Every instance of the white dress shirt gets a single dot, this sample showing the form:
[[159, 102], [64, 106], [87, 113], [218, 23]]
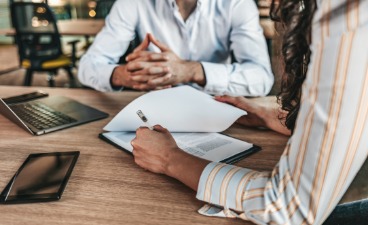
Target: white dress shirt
[[212, 31], [329, 144]]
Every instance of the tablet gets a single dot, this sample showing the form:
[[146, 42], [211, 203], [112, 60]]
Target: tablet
[[42, 177]]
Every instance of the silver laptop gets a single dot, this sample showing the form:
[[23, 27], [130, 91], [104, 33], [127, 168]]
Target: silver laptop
[[47, 114]]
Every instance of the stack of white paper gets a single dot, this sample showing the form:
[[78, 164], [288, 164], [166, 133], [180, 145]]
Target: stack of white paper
[[180, 109], [193, 116]]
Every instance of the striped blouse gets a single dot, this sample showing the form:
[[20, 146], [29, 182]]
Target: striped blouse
[[329, 144]]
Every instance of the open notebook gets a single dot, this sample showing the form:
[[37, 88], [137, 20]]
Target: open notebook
[[193, 117]]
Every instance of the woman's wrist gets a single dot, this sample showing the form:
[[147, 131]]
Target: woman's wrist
[[185, 168], [264, 116], [172, 165], [273, 119]]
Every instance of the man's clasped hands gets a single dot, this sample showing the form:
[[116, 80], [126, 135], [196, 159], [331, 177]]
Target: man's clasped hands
[[146, 70]]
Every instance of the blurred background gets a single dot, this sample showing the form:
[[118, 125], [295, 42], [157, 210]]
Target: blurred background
[[74, 14], [78, 22], [63, 10]]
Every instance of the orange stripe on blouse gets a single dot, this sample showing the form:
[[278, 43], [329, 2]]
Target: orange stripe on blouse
[[361, 119], [225, 184], [341, 93], [209, 183], [309, 119], [241, 188], [325, 139], [330, 128]]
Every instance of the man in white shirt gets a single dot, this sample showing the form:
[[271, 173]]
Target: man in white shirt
[[196, 39]]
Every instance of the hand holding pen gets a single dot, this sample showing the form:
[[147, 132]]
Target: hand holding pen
[[144, 119]]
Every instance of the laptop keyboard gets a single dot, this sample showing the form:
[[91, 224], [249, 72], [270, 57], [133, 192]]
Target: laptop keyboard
[[41, 116]]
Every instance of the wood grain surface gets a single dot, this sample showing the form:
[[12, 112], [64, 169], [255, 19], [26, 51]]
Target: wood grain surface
[[106, 187]]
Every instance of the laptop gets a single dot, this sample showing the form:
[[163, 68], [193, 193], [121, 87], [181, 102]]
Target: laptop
[[39, 113]]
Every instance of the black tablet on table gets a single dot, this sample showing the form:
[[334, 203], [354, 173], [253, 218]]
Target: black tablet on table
[[42, 177]]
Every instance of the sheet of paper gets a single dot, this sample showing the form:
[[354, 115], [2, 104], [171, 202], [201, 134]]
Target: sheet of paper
[[179, 109], [210, 146]]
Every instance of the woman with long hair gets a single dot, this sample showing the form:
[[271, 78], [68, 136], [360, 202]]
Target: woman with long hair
[[323, 106]]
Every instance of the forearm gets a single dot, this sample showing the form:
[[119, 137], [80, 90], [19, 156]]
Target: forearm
[[186, 168], [116, 76], [237, 79], [95, 73], [194, 71]]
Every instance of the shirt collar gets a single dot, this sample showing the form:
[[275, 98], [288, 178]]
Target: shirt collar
[[173, 3]]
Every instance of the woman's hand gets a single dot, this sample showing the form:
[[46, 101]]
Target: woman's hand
[[153, 150], [156, 151], [262, 112], [254, 118]]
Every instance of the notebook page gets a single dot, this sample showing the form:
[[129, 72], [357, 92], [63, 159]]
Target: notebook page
[[210, 146]]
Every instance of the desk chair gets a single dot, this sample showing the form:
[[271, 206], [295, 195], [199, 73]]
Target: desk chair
[[38, 41]]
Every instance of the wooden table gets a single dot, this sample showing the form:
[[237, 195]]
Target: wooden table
[[106, 186], [76, 27]]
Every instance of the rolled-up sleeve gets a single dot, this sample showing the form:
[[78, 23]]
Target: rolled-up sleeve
[[212, 189], [251, 75], [97, 65]]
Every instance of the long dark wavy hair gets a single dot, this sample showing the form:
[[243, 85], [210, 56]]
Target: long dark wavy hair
[[296, 18]]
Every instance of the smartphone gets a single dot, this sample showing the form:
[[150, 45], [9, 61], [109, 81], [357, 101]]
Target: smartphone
[[42, 177], [25, 97]]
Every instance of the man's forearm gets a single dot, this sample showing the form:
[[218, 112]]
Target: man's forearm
[[116, 76], [195, 72]]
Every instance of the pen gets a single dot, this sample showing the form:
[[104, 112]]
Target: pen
[[144, 119]]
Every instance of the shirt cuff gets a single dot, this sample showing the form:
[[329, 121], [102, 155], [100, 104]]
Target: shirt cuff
[[216, 78], [106, 71], [223, 185]]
